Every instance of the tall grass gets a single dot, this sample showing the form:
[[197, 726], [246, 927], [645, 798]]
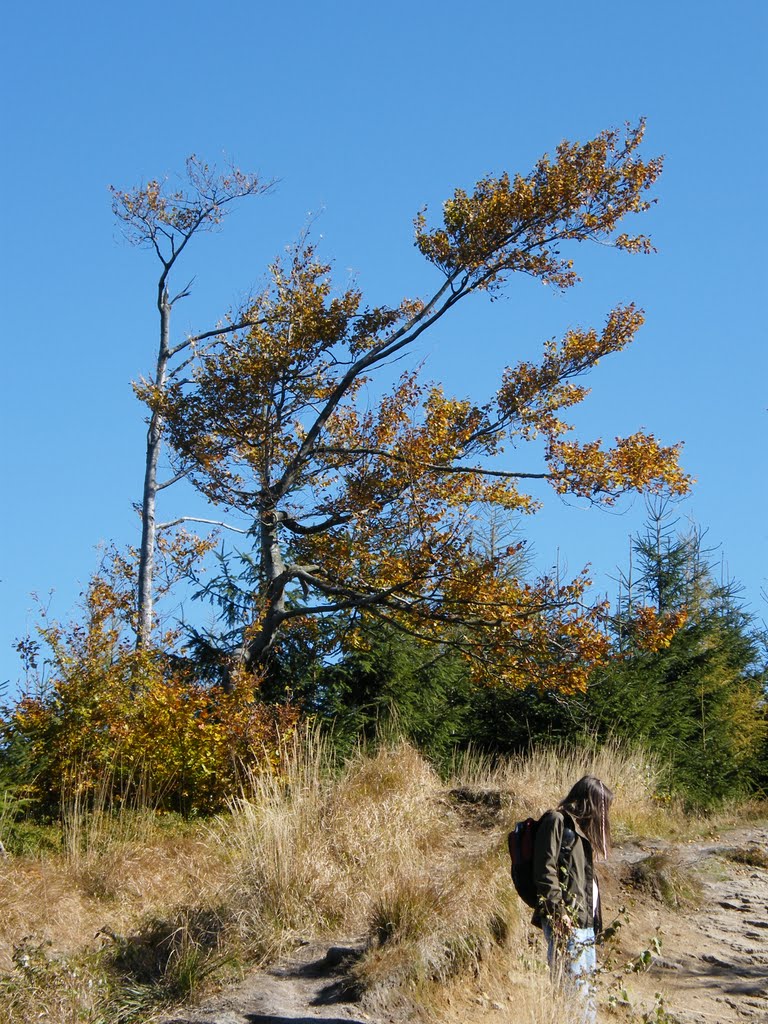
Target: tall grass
[[105, 925], [311, 850], [380, 850], [542, 776]]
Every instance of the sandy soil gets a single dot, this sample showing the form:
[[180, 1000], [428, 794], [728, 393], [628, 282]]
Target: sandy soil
[[712, 967]]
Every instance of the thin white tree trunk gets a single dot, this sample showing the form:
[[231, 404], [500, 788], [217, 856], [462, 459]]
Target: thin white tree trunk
[[148, 513]]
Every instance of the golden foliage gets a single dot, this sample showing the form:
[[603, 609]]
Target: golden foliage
[[653, 630], [138, 718], [377, 504], [509, 225], [637, 462]]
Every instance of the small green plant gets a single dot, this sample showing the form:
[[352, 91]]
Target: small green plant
[[644, 960], [611, 931], [659, 1014], [619, 999], [610, 955]]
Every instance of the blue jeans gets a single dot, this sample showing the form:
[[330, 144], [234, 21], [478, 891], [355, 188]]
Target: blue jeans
[[574, 966]]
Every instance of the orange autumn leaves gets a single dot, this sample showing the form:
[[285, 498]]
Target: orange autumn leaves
[[515, 224], [107, 721], [369, 496], [637, 462]]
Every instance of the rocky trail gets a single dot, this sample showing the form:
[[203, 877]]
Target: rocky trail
[[310, 987], [709, 963], [713, 964]]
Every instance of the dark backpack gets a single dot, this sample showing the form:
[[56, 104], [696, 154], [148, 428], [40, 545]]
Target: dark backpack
[[520, 842]]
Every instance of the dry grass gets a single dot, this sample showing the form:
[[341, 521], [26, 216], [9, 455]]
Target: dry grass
[[313, 852], [65, 902], [734, 814], [541, 778], [78, 927], [44, 988], [752, 855], [513, 986], [383, 851], [379, 848], [379, 851], [666, 880]]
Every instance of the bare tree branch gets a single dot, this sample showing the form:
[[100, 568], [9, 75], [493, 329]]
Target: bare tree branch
[[174, 479], [196, 519], [184, 293]]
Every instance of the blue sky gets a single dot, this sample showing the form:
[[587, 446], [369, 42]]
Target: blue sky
[[365, 113]]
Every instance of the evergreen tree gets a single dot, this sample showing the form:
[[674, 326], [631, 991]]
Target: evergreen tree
[[697, 698], [394, 682]]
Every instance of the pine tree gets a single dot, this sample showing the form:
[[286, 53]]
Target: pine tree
[[697, 697]]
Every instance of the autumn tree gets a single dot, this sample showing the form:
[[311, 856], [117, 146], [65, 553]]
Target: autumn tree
[[371, 506], [165, 220]]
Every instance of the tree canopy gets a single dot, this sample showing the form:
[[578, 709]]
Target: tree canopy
[[374, 507]]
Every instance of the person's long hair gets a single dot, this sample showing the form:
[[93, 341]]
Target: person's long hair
[[588, 804]]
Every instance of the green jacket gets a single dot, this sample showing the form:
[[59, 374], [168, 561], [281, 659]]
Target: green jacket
[[563, 873]]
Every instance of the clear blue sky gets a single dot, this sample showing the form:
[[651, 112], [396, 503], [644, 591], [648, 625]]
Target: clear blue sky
[[366, 112]]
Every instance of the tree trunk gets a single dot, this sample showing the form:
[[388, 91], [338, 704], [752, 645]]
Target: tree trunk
[[148, 516], [273, 567]]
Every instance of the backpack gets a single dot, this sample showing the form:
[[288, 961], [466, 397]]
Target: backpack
[[520, 842]]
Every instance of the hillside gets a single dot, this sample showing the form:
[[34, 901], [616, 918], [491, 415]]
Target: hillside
[[380, 893], [710, 965]]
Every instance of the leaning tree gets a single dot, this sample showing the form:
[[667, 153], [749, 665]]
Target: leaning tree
[[369, 507]]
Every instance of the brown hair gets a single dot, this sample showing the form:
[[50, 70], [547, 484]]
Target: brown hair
[[588, 803]]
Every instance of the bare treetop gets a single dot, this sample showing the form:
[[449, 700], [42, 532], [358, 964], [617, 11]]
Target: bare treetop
[[153, 216]]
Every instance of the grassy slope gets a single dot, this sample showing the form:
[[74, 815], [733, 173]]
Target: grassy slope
[[383, 849]]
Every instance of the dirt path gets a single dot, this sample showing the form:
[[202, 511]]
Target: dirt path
[[307, 988], [712, 967]]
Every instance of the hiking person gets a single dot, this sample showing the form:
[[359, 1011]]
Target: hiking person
[[568, 911]]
